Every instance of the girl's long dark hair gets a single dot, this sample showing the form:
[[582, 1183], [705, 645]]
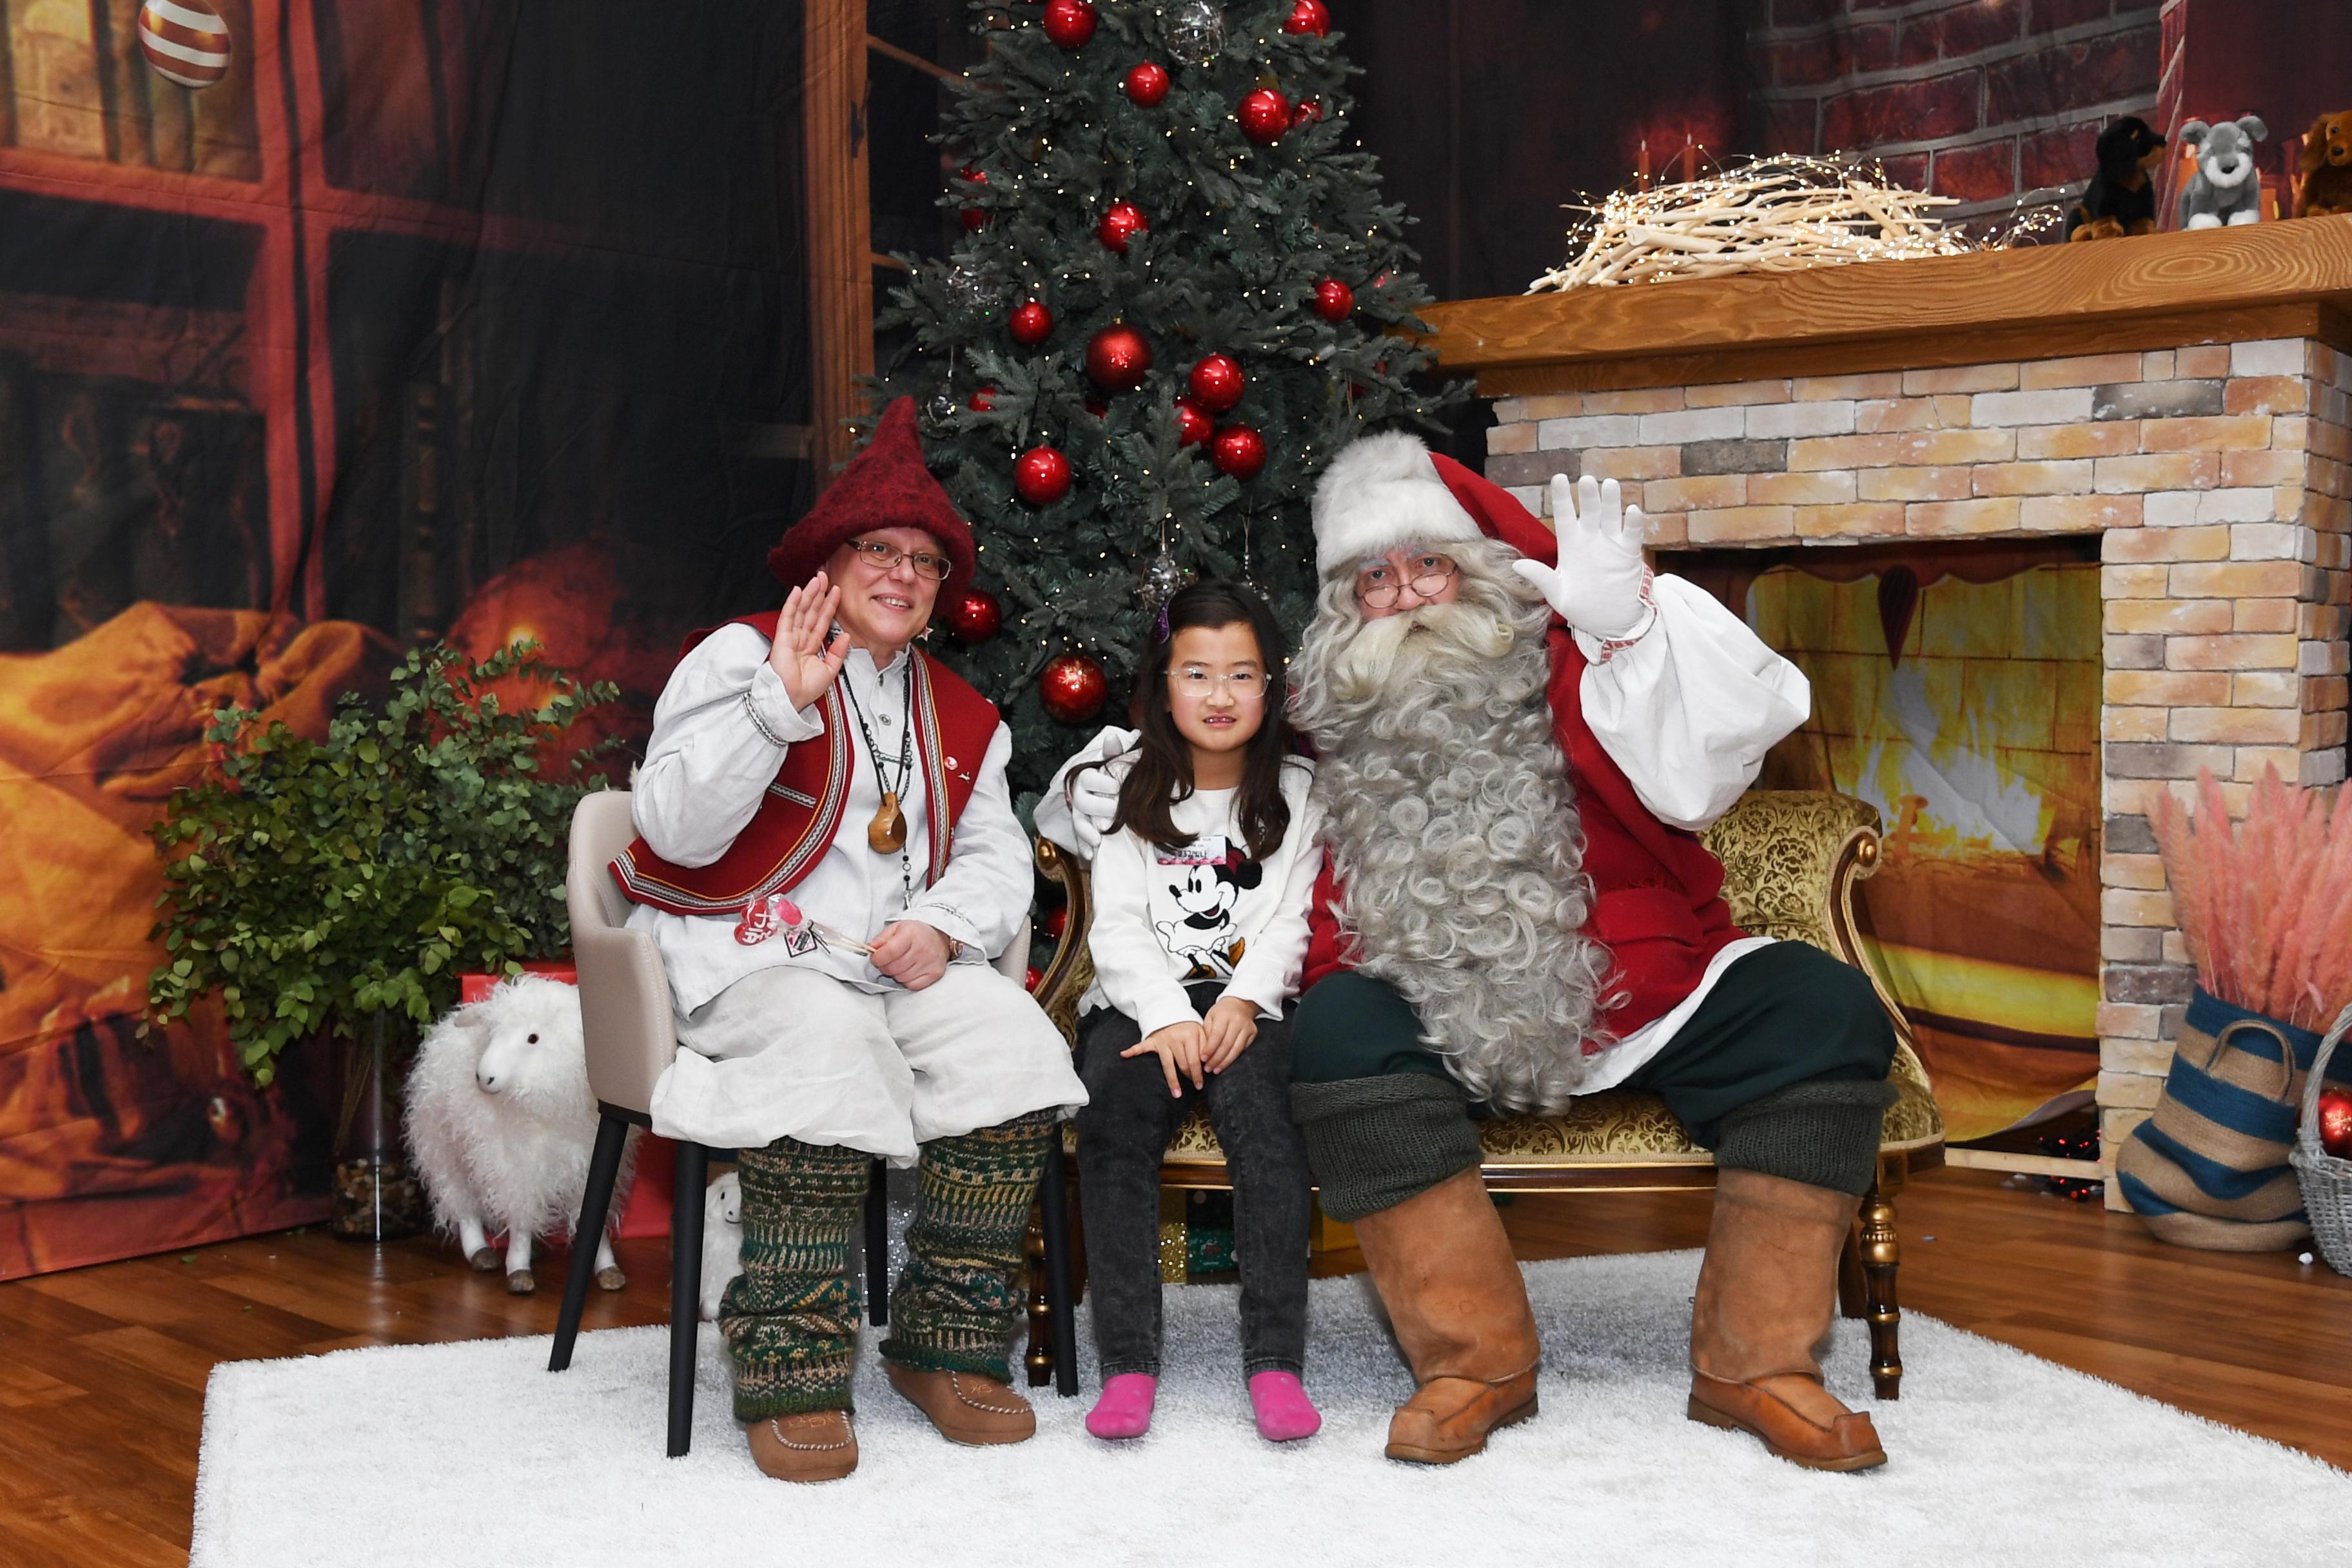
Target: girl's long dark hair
[[1162, 773]]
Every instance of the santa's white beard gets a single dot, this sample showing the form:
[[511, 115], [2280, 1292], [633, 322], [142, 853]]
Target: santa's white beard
[[1450, 816]]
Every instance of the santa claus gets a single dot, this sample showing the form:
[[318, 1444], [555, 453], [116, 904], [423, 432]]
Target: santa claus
[[1520, 738]]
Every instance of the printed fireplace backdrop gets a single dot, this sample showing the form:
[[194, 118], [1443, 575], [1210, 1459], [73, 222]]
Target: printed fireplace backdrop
[[447, 319], [1957, 691]]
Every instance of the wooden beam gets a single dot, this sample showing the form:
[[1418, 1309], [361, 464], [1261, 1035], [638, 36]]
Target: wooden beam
[[841, 284], [2154, 291]]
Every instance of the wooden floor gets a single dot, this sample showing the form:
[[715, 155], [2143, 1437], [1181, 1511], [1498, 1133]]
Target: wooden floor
[[102, 1370]]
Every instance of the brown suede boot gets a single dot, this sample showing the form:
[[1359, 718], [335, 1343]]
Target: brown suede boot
[[1765, 1294], [1444, 1270], [812, 1446], [965, 1406]]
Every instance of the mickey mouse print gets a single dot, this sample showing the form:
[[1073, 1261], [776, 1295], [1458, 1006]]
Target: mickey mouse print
[[1193, 897]]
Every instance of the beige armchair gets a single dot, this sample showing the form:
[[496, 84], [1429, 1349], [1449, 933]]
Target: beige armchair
[[625, 1013], [1790, 862]]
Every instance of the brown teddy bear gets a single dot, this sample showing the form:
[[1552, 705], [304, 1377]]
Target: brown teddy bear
[[2327, 166]]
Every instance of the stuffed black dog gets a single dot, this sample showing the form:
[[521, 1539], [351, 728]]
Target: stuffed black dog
[[2121, 198]]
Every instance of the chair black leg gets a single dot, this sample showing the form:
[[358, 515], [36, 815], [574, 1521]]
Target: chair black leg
[[1054, 1219], [877, 1246], [685, 1290], [603, 1168]]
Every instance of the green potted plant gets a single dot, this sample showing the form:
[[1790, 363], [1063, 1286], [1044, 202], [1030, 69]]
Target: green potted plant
[[334, 888]]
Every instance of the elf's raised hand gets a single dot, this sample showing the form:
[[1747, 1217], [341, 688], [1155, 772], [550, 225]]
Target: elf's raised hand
[[1597, 586], [799, 655]]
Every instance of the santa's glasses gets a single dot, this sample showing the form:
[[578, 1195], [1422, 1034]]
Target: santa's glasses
[[1379, 585], [1242, 685]]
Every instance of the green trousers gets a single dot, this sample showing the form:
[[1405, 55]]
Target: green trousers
[[790, 1319]]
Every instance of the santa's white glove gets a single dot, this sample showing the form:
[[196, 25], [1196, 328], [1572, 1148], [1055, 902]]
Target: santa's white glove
[[1082, 800], [1597, 588]]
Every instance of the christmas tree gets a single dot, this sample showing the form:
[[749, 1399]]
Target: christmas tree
[[1173, 300]]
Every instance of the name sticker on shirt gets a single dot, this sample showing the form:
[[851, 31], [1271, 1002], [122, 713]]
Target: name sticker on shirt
[[1205, 851]]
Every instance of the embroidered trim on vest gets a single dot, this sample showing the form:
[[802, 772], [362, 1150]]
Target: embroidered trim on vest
[[786, 792], [815, 839], [935, 775]]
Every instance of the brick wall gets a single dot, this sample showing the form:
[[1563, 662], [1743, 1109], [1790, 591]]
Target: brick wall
[[2219, 477], [1980, 100]]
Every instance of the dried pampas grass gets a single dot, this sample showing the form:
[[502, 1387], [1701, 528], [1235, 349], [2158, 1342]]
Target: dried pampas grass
[[1783, 214], [2266, 910]]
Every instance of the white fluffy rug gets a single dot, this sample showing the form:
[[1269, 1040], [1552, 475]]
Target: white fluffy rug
[[473, 1453]]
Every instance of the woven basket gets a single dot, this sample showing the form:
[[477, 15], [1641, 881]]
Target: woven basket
[[2327, 1179]]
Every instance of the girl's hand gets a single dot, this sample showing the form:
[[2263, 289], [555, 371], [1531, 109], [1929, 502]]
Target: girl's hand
[[799, 655], [1231, 1026], [1179, 1047]]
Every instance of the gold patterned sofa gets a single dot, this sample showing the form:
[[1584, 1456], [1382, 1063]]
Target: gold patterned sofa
[[1790, 859]]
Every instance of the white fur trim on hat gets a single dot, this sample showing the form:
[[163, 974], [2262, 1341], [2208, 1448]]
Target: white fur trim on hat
[[1380, 492]]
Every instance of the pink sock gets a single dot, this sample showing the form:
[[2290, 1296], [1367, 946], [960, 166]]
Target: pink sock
[[1125, 1409], [1282, 1410]]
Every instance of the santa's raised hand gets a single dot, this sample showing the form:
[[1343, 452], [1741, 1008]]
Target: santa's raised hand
[[1598, 588]]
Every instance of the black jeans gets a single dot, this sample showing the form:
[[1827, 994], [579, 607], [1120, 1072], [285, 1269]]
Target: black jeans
[[1123, 1131]]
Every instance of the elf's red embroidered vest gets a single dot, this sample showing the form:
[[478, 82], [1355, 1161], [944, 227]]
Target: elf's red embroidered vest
[[796, 822]]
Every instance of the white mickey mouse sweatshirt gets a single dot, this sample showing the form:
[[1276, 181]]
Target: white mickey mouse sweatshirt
[[1165, 919]]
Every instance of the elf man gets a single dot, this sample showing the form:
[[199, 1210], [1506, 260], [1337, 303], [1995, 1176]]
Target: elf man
[[1520, 737], [816, 752]]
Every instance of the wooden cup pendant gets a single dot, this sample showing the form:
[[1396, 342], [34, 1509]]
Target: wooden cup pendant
[[886, 834]]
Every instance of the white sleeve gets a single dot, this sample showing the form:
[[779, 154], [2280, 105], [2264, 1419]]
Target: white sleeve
[[721, 731], [1689, 710], [983, 898], [1268, 972], [1131, 965]]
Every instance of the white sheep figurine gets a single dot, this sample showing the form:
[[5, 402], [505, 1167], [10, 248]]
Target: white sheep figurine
[[502, 1124], [722, 1240]]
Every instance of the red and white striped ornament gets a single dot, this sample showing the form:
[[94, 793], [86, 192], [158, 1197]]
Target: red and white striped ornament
[[184, 41]]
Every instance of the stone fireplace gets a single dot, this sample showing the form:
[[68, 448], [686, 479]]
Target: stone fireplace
[[2184, 401]]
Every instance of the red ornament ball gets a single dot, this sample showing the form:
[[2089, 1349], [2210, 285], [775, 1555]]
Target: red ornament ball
[[1116, 358], [1238, 450], [975, 615], [1057, 920], [1069, 23], [1334, 299], [1032, 324], [2336, 1123], [1122, 222], [982, 399], [1216, 383], [974, 218], [1147, 84], [1041, 475], [1308, 111], [1073, 687], [1033, 979], [1193, 426], [1264, 116], [1309, 16]]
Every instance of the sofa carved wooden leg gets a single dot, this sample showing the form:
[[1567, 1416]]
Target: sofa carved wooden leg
[[1881, 1253], [1040, 1359]]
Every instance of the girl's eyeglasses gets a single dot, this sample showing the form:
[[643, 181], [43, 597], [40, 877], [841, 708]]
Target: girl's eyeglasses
[[1377, 588], [884, 557], [1244, 685]]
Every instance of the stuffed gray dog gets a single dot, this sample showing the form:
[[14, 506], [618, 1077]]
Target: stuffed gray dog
[[2224, 189]]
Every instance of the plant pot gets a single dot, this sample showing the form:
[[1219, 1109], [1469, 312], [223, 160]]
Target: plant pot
[[376, 1197]]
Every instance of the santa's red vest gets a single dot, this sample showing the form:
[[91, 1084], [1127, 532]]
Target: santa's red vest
[[1657, 892], [796, 822]]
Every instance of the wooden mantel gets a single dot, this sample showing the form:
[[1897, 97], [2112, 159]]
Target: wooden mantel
[[2264, 281]]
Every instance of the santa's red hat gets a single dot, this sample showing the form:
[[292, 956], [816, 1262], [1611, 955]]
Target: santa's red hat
[[885, 486], [1390, 490]]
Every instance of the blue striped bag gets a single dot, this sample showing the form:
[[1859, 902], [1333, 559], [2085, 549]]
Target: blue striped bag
[[2210, 1169]]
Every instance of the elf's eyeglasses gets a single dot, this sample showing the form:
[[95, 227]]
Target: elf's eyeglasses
[[884, 557], [1377, 588], [1244, 685]]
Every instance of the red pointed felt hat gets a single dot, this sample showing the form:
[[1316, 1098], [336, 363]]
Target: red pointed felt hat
[[886, 485]]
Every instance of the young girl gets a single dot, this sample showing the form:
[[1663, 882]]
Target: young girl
[[1201, 895]]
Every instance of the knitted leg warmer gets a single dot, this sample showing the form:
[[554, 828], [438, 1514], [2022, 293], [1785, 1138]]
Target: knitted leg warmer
[[1824, 1133], [1373, 1142], [790, 1319], [958, 1302]]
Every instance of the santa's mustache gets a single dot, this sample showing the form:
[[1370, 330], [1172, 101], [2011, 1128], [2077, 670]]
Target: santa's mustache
[[1409, 645]]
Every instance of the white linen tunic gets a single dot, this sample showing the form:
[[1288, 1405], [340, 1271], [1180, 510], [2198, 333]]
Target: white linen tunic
[[1686, 709], [798, 1065]]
